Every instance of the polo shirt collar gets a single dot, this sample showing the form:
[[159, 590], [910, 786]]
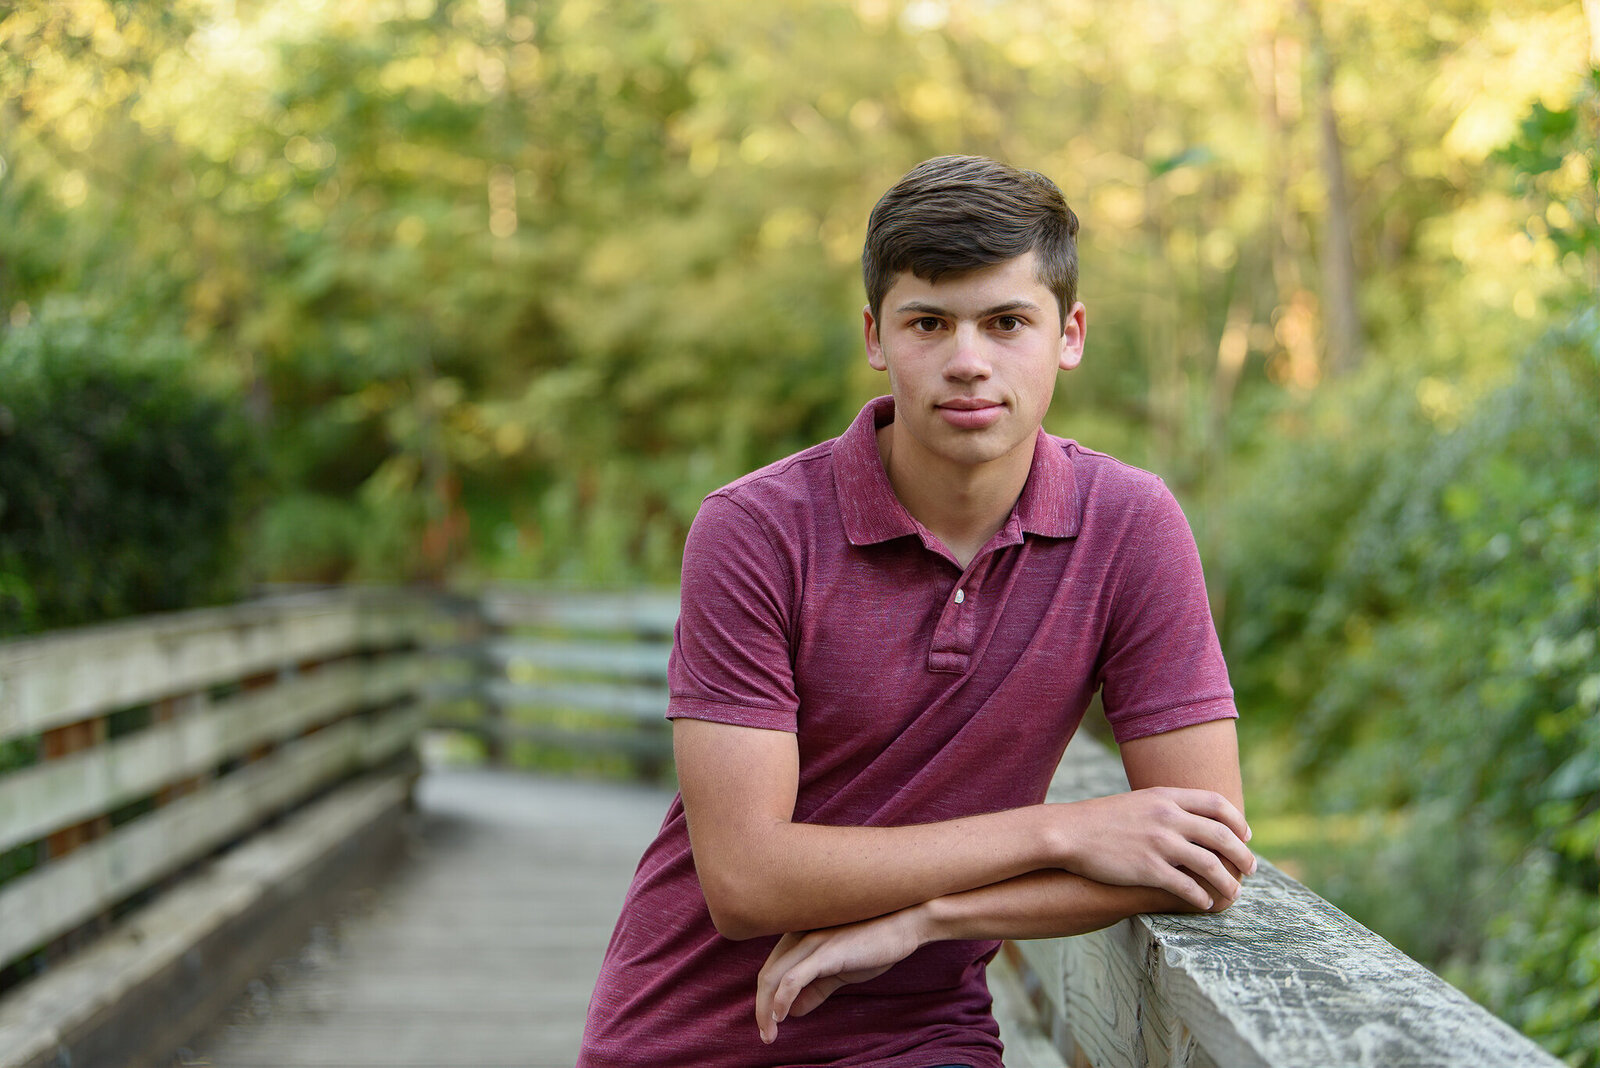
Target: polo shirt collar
[[872, 513]]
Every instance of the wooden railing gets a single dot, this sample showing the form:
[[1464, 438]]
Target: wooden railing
[[209, 724], [584, 676], [1281, 979], [131, 752]]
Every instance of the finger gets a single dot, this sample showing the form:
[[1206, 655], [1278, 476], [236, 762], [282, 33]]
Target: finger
[[811, 976], [1213, 805], [1219, 864], [791, 986], [1208, 867], [816, 994], [790, 949], [1224, 843], [1220, 901], [1208, 819], [1194, 859], [1186, 888]]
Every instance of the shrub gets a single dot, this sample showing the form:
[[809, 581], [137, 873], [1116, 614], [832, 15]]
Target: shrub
[[122, 481]]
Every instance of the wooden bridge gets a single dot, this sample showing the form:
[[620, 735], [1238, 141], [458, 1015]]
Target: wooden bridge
[[218, 846]]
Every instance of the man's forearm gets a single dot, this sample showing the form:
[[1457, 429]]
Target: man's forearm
[[1041, 904], [802, 877], [798, 876], [805, 968]]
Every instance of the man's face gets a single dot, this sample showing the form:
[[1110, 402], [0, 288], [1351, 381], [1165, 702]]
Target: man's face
[[972, 361]]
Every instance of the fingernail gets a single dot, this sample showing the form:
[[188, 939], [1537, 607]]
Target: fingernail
[[1210, 903], [1248, 833]]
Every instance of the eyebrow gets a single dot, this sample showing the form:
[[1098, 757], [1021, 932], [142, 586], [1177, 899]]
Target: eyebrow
[[998, 309]]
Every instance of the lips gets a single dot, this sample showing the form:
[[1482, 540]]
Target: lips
[[970, 413], [968, 404]]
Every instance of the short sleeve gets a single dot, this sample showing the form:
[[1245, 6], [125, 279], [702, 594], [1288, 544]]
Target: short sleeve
[[1161, 666], [731, 659]]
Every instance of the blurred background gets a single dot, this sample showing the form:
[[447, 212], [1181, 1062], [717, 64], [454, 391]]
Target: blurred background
[[469, 291]]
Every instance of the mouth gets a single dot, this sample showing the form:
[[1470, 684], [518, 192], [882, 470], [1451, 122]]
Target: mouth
[[970, 413], [968, 404]]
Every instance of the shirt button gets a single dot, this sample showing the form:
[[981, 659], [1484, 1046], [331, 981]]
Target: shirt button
[[961, 595]]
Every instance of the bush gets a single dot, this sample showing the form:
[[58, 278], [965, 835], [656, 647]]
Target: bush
[[122, 481]]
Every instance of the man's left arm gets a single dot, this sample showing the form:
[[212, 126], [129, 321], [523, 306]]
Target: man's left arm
[[806, 967], [1203, 757]]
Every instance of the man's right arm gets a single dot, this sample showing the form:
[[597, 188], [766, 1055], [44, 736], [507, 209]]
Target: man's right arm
[[805, 968], [765, 874]]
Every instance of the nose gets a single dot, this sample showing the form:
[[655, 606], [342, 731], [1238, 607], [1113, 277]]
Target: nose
[[968, 362]]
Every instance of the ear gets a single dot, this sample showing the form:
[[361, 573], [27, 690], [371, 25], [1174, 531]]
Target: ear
[[1072, 335], [874, 343]]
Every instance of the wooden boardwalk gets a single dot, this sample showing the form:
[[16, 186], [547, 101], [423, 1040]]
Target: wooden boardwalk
[[479, 953]]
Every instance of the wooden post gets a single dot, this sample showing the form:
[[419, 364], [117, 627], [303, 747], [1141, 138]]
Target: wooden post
[[490, 673]]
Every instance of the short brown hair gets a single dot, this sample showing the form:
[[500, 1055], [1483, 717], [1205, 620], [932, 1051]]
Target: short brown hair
[[954, 214]]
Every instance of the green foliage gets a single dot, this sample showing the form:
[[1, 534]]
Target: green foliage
[[1294, 509], [546, 274], [1427, 632], [121, 482], [1541, 156], [1414, 604]]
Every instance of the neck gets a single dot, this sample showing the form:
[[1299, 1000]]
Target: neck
[[961, 504]]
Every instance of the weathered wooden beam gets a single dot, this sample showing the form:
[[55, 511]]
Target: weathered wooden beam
[[637, 743], [642, 702], [617, 659], [43, 683], [37, 800], [636, 612], [1282, 979]]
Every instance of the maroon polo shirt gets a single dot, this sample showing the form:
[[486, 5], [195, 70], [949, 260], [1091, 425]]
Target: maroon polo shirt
[[919, 690]]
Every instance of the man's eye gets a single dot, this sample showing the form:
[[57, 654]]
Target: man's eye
[[927, 324], [1008, 323]]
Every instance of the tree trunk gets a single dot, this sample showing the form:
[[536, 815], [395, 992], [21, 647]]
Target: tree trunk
[[1341, 314]]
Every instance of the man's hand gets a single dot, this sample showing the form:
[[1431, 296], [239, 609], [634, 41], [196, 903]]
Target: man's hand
[[804, 969], [1186, 842]]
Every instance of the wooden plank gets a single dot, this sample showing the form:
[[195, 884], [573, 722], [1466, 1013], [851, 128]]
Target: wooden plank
[[1281, 979], [649, 743], [51, 900], [642, 702], [43, 681], [1027, 1045], [394, 731], [37, 800], [635, 612], [621, 660]]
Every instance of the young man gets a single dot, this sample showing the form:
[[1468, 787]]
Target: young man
[[884, 644]]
